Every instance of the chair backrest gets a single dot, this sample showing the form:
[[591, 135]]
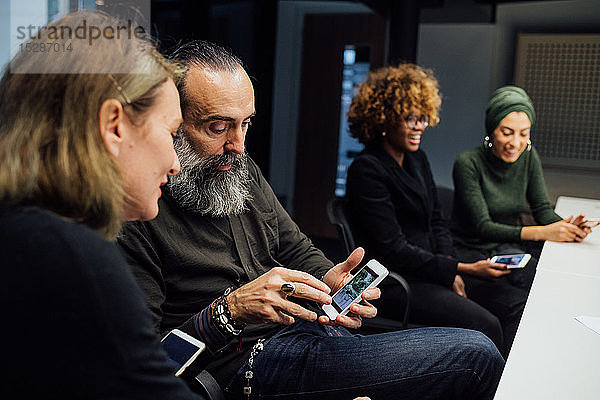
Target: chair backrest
[[446, 198], [338, 213]]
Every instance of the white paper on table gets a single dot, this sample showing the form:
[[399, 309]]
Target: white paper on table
[[591, 322]]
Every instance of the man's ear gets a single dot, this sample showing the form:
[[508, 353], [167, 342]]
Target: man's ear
[[110, 118]]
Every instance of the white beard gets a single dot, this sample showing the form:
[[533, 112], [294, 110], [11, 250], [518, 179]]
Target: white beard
[[201, 187]]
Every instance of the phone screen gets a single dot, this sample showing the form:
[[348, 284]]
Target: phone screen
[[178, 349], [514, 260], [353, 289]]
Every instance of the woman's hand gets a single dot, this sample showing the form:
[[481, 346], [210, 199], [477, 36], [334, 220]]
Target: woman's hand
[[263, 301], [566, 230], [581, 222], [484, 269], [458, 286], [337, 277]]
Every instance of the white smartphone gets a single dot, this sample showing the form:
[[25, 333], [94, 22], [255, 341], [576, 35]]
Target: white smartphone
[[512, 260], [367, 277], [591, 222], [182, 349]]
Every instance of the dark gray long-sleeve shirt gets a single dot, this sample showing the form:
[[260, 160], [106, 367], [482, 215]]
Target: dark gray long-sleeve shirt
[[184, 260]]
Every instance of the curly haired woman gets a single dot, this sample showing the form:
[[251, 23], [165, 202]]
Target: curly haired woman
[[395, 205]]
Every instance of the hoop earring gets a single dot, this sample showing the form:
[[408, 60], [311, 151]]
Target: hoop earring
[[528, 144], [487, 142]]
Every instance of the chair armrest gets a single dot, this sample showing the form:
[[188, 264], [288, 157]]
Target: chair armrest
[[206, 385], [402, 282]]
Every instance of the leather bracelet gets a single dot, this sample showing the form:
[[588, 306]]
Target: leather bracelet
[[221, 316]]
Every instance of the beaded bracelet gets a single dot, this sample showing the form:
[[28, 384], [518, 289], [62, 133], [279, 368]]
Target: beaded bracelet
[[221, 316]]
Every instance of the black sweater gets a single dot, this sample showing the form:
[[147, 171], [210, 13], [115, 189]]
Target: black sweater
[[399, 216], [74, 322]]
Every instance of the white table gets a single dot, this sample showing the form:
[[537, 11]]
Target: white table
[[566, 206], [580, 258], [553, 355]]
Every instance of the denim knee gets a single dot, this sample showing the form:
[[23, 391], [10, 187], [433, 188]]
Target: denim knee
[[486, 359]]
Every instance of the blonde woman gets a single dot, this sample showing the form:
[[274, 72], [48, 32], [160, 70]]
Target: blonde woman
[[81, 150]]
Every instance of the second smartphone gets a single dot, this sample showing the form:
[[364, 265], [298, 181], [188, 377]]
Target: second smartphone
[[367, 277]]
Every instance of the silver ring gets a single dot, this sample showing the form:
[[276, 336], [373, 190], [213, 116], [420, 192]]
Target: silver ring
[[288, 288]]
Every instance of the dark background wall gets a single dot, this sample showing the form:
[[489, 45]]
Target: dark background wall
[[469, 44], [246, 27]]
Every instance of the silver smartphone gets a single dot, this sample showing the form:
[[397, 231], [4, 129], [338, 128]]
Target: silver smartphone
[[182, 349], [367, 277], [512, 260]]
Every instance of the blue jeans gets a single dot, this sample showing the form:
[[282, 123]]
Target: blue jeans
[[311, 361]]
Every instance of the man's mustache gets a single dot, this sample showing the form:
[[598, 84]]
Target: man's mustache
[[224, 159]]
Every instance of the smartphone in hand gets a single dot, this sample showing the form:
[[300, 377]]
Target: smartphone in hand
[[367, 277], [512, 260], [590, 222]]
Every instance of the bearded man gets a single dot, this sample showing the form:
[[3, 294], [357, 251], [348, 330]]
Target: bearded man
[[225, 263]]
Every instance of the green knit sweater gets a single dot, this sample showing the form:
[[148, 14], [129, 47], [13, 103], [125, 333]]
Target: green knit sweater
[[490, 194]]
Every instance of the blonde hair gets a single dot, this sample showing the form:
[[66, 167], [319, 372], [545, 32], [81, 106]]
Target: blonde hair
[[387, 97], [51, 152]]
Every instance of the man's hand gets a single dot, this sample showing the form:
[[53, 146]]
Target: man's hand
[[337, 277], [262, 300]]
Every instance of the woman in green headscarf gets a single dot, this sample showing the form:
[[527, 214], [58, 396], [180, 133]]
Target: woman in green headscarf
[[499, 181]]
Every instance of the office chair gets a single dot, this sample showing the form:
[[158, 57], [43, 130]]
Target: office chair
[[340, 216], [446, 199], [205, 385]]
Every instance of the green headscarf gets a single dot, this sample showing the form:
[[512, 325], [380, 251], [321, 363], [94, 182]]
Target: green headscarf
[[505, 100]]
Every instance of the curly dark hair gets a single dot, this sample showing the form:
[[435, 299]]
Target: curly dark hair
[[387, 96]]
